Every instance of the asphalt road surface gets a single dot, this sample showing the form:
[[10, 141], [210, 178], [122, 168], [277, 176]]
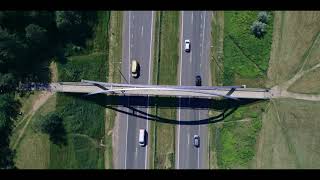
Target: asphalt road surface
[[137, 44], [195, 26]]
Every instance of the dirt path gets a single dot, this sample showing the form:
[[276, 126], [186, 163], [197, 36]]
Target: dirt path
[[40, 100], [43, 97], [281, 91]]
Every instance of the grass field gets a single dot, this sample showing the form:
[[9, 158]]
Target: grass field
[[246, 58], [289, 136], [166, 61], [295, 40], [289, 133], [307, 84], [237, 139], [33, 149]]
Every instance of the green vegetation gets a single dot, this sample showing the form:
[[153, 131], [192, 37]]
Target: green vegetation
[[166, 61], [51, 124], [236, 144], [245, 56], [217, 48], [29, 40], [81, 54], [238, 58], [33, 149], [83, 120]]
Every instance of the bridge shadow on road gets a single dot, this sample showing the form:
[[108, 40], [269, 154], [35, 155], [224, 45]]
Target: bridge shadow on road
[[132, 106]]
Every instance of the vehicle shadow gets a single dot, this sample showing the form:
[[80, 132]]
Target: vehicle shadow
[[133, 106]]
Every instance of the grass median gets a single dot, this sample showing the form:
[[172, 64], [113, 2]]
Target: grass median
[[165, 73]]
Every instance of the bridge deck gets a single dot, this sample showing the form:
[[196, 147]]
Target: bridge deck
[[185, 91]]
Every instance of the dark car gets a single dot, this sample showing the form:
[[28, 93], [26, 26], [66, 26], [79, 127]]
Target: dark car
[[196, 140], [198, 81]]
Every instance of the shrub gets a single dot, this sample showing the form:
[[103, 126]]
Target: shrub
[[47, 124], [263, 17], [258, 29]]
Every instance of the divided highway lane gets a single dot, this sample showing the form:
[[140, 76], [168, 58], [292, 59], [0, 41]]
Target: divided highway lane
[[137, 43], [195, 26]]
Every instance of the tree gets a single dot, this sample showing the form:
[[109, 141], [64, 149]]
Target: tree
[[7, 82], [66, 19], [3, 120], [9, 105], [263, 17], [47, 124], [36, 35], [11, 50], [258, 29], [51, 124]]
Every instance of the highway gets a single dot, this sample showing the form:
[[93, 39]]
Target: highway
[[137, 43], [195, 26]]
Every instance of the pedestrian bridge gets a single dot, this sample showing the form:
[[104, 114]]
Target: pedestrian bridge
[[94, 87]]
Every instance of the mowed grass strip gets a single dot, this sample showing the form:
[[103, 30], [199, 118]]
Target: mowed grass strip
[[216, 64], [245, 56], [84, 121], [115, 54], [167, 69], [156, 51]]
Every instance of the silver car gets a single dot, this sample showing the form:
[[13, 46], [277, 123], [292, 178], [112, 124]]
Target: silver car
[[196, 140]]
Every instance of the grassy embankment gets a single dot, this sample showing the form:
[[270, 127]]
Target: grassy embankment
[[238, 58], [115, 55]]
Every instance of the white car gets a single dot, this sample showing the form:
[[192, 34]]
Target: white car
[[142, 137], [187, 45]]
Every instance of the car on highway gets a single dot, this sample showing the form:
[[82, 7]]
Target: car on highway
[[187, 45], [198, 80], [142, 137], [196, 140], [135, 69]]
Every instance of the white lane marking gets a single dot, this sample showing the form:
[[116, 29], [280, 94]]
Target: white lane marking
[[129, 83], [190, 55], [199, 129], [188, 138], [136, 155], [142, 31], [204, 27], [192, 17], [179, 113], [149, 82]]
